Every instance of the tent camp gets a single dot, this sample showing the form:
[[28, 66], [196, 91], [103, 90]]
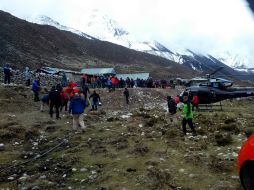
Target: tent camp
[[99, 71], [133, 76]]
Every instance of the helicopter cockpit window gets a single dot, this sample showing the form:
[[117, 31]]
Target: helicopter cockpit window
[[227, 84], [215, 84]]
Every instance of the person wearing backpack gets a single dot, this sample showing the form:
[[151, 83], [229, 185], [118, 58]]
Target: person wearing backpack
[[76, 108], [54, 101], [187, 116], [171, 107]]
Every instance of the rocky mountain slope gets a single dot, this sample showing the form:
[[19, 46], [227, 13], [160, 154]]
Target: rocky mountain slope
[[26, 44], [102, 27]]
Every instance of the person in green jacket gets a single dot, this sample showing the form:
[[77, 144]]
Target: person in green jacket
[[187, 116]]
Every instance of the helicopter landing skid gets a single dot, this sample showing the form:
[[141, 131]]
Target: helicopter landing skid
[[210, 107]]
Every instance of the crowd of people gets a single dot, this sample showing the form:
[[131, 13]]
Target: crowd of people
[[92, 81], [70, 99], [74, 99], [112, 82]]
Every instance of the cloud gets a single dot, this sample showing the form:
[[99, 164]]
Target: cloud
[[204, 26]]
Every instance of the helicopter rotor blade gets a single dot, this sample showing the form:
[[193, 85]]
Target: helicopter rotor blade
[[217, 70], [251, 4]]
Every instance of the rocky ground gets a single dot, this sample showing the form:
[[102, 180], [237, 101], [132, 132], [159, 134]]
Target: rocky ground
[[124, 147]]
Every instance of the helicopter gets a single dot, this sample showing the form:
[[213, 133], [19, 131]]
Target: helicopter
[[215, 89]]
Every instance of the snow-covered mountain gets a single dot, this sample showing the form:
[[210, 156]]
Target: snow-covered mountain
[[45, 20], [104, 28], [97, 25]]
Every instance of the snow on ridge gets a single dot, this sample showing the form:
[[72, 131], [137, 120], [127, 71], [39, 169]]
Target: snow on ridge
[[103, 27], [233, 60], [45, 20]]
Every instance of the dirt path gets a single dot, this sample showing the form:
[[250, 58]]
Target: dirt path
[[124, 147]]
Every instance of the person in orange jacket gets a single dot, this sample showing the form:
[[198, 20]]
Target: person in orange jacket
[[245, 164], [115, 82]]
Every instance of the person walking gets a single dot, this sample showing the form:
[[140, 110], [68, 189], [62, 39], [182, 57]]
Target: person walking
[[59, 87], [7, 74], [171, 107], [54, 102], [64, 80], [44, 100], [64, 100], [27, 76], [195, 102], [85, 90], [95, 100], [76, 108], [187, 116], [126, 94], [36, 89], [109, 84]]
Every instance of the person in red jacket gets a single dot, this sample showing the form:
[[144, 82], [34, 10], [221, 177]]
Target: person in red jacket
[[245, 164], [64, 100], [177, 99], [195, 102]]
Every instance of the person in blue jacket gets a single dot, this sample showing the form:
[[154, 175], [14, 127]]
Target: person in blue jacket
[[45, 99], [36, 89], [76, 108]]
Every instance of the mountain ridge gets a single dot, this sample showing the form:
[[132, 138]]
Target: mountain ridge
[[101, 26], [27, 44]]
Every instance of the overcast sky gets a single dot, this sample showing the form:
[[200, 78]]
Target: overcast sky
[[206, 26]]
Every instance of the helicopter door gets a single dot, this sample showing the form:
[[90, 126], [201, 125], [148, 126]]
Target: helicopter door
[[205, 96]]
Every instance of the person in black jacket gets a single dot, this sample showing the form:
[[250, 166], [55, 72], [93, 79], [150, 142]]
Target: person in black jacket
[[126, 94], [171, 105], [85, 90], [7, 74], [96, 99], [54, 101]]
